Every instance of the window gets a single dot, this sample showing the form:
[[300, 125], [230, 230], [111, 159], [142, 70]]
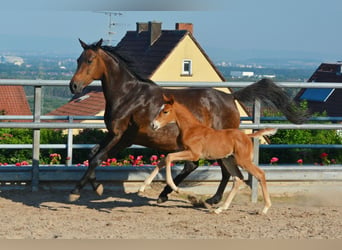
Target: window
[[187, 67], [317, 95]]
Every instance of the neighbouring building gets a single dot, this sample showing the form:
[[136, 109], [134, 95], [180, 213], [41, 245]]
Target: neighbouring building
[[327, 100], [13, 101]]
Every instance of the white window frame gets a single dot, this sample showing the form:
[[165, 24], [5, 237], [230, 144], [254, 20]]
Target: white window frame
[[187, 72]]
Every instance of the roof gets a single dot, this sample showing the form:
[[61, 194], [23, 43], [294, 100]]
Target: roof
[[13, 101], [146, 58], [320, 99], [90, 103]]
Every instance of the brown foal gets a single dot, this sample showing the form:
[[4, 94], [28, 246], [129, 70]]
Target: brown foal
[[202, 142]]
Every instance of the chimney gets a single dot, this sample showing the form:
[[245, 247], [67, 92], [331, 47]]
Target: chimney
[[142, 27], [185, 26], [154, 29]]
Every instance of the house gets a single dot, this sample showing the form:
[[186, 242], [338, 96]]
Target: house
[[13, 101], [322, 99], [156, 54]]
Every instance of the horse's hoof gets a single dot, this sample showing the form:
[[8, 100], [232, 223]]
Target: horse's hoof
[[213, 200], [74, 197], [99, 189], [162, 199]]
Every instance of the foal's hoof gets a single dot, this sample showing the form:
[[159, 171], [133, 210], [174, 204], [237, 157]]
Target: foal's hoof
[[74, 197], [99, 189], [162, 199], [218, 210], [141, 189]]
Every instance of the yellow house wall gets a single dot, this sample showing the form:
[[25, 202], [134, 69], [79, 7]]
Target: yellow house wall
[[171, 69]]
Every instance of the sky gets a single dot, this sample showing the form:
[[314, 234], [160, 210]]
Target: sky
[[224, 28]]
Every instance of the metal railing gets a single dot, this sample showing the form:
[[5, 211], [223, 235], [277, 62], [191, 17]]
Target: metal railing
[[36, 172]]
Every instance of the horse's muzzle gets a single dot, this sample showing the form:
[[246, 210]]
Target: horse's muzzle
[[75, 87]]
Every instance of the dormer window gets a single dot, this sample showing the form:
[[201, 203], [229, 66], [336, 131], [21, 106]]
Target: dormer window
[[187, 67]]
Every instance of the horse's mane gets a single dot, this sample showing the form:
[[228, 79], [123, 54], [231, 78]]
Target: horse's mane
[[127, 61]]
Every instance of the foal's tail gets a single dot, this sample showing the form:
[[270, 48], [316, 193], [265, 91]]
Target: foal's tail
[[262, 132], [267, 91]]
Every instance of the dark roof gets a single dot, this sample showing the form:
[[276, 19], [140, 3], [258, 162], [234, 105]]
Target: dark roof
[[136, 47], [320, 99]]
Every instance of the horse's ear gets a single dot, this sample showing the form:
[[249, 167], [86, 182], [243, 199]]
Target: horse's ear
[[99, 43], [168, 100], [83, 44]]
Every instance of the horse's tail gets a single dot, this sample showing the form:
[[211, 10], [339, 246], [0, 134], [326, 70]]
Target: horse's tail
[[262, 132], [267, 91]]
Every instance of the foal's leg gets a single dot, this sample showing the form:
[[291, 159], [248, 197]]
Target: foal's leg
[[150, 178], [228, 168], [232, 193], [189, 166], [259, 174], [178, 156]]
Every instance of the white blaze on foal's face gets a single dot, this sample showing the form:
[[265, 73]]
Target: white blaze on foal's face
[[156, 124], [162, 118]]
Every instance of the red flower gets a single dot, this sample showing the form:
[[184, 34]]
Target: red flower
[[300, 161], [153, 158], [274, 160], [324, 155]]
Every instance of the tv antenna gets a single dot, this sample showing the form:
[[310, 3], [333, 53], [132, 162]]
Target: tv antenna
[[111, 25]]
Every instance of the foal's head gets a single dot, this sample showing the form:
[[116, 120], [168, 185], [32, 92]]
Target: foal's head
[[165, 115]]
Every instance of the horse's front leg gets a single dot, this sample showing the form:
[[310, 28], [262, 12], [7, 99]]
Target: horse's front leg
[[189, 167], [98, 156]]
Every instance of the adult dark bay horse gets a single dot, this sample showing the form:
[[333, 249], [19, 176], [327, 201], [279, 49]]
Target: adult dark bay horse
[[132, 102]]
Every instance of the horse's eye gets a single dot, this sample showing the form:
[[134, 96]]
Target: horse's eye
[[165, 112], [90, 61]]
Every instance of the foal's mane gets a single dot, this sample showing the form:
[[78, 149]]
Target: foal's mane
[[181, 109]]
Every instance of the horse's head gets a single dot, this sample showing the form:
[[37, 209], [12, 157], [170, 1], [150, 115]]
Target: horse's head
[[89, 67], [165, 115]]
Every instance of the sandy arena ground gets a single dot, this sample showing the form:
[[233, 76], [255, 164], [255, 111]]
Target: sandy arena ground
[[128, 215]]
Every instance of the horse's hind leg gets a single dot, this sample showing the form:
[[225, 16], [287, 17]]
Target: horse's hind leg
[[188, 168]]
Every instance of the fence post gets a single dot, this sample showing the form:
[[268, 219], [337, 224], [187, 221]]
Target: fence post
[[252, 180], [69, 143], [36, 138]]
